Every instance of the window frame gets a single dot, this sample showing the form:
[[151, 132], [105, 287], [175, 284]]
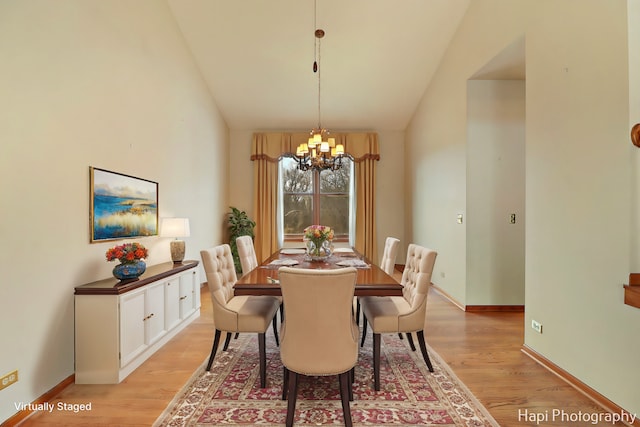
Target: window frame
[[316, 194]]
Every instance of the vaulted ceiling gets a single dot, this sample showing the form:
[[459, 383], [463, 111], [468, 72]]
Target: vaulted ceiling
[[376, 58]]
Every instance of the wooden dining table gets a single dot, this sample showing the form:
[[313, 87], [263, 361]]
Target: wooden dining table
[[371, 279]]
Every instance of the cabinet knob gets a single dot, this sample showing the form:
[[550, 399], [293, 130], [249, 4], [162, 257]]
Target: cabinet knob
[[184, 297]]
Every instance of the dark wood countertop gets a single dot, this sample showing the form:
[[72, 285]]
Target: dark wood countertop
[[113, 286]]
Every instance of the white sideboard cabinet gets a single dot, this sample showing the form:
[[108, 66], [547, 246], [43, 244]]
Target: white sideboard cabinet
[[119, 324]]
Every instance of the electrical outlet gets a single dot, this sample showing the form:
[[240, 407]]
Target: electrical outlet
[[536, 326], [9, 379]]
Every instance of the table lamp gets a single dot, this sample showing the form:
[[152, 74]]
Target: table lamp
[[175, 227]]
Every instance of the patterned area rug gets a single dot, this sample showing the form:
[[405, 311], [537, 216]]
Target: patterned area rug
[[410, 395]]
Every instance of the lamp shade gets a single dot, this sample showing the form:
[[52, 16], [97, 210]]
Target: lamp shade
[[174, 227]]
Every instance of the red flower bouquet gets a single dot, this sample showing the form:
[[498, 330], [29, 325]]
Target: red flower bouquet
[[127, 253]]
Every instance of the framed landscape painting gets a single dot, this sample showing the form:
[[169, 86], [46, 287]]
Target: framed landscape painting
[[122, 206]]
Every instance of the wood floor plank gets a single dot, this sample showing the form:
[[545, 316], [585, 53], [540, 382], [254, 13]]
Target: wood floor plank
[[483, 349]]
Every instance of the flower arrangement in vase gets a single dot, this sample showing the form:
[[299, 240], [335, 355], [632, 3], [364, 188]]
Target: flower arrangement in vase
[[318, 239], [131, 257]]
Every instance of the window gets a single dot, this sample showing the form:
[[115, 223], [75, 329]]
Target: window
[[314, 197]]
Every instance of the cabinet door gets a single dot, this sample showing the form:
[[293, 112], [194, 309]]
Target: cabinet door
[[154, 307], [186, 295], [172, 303], [132, 326], [196, 289]]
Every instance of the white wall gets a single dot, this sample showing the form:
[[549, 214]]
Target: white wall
[[495, 190], [578, 178], [633, 18], [390, 194], [90, 83]]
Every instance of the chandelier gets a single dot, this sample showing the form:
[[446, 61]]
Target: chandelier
[[320, 152]]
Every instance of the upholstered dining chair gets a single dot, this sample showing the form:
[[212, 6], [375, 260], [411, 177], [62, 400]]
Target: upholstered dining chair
[[319, 336], [387, 264], [249, 261], [246, 253], [389, 255], [406, 313], [251, 314]]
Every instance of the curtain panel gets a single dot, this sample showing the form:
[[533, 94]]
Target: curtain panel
[[268, 148]]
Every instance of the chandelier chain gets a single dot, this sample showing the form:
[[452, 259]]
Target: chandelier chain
[[321, 152], [319, 87]]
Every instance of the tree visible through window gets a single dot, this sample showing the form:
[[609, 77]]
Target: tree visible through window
[[315, 197]]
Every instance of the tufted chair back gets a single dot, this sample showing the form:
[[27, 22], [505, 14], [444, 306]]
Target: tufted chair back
[[416, 277], [221, 276], [319, 335], [388, 261], [246, 253]]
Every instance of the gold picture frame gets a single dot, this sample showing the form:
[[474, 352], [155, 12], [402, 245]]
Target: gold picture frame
[[122, 206]]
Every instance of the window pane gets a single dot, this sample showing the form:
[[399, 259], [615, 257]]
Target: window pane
[[293, 179], [297, 212], [336, 181], [334, 212]]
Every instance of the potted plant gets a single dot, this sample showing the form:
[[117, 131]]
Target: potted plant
[[239, 225]]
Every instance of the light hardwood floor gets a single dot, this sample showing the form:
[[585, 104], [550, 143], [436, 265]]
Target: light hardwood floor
[[483, 349]]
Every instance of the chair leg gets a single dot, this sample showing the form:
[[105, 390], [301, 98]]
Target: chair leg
[[216, 341], [263, 360], [275, 330], [281, 312], [345, 397], [364, 329], [285, 382], [226, 341], [293, 395], [357, 311], [237, 335], [352, 377], [400, 335], [423, 349], [410, 339], [376, 361]]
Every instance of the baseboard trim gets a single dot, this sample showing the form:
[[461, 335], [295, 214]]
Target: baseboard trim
[[583, 388], [494, 308], [479, 308], [20, 416], [451, 299]]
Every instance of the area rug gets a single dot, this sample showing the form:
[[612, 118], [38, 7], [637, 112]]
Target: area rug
[[410, 395]]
